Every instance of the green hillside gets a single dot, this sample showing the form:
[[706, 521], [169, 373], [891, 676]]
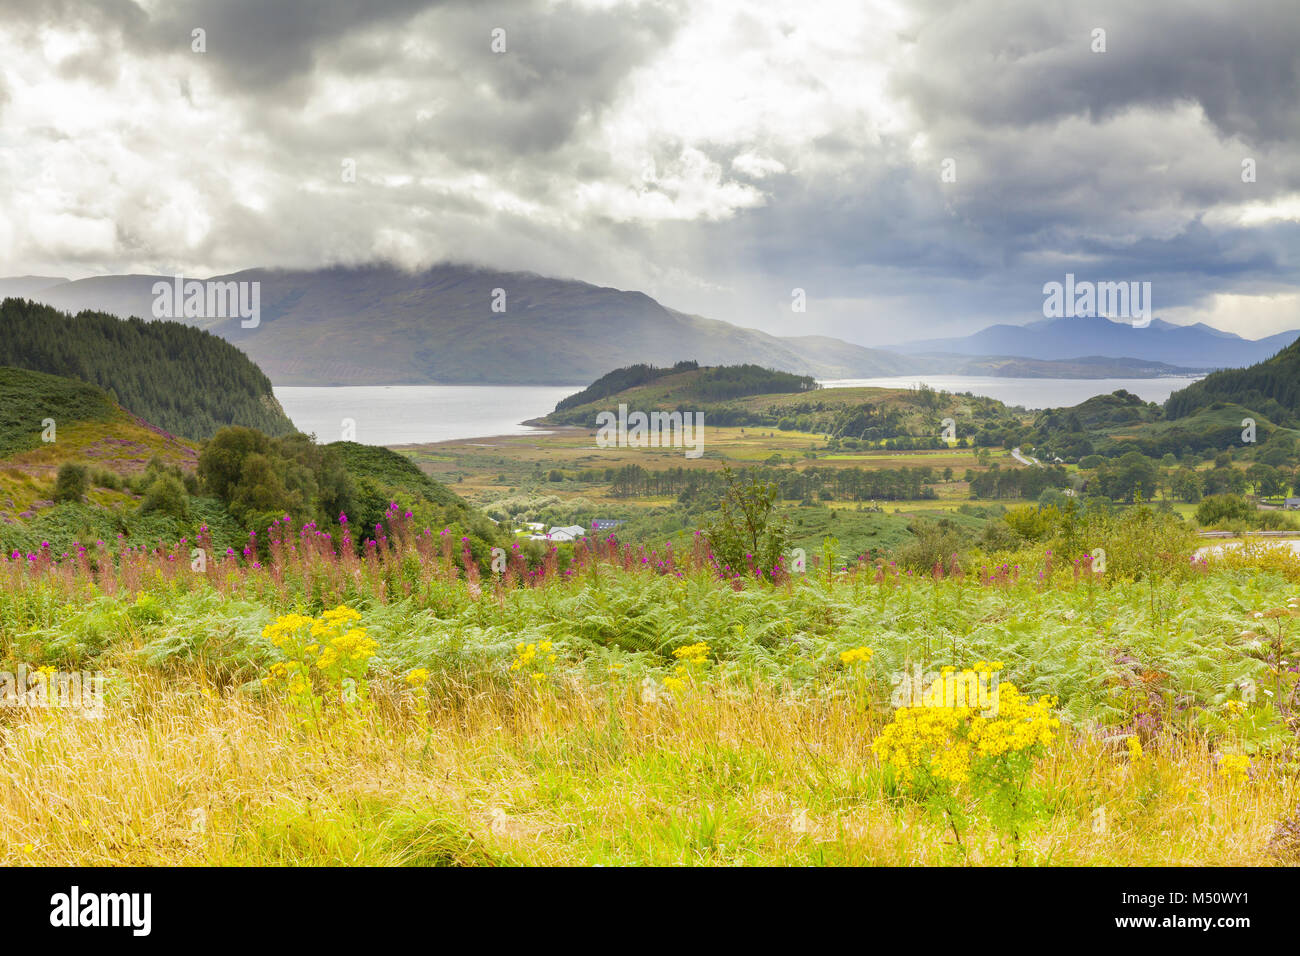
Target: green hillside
[[689, 383], [89, 431], [1206, 416], [183, 380], [749, 396], [1271, 388], [139, 484], [28, 399], [380, 476]]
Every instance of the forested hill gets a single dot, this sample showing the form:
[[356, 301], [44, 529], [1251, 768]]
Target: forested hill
[[1271, 388], [686, 382], [183, 380]]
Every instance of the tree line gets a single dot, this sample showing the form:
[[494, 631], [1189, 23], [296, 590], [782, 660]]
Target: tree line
[[843, 484], [184, 380]]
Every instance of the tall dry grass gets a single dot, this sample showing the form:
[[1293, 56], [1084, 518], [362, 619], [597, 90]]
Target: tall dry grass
[[178, 773]]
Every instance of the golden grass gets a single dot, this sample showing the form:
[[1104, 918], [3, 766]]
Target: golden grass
[[177, 773]]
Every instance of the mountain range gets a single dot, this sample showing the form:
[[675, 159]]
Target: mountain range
[[1196, 346], [379, 325], [376, 325]]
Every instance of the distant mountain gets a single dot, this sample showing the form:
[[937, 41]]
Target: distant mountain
[[1271, 388], [24, 287], [379, 325], [122, 296], [1194, 346], [1090, 366]]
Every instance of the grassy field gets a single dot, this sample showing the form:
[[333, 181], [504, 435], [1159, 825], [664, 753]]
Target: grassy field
[[485, 469], [193, 776], [623, 711]]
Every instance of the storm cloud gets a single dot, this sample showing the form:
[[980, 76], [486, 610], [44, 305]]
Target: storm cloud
[[917, 168]]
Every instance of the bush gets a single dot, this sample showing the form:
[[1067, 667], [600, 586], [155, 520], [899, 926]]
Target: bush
[[933, 542], [1274, 521], [747, 530], [999, 536], [166, 495], [1223, 509], [1141, 544], [70, 485], [103, 478]]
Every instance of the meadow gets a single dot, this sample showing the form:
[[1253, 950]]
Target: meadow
[[617, 704]]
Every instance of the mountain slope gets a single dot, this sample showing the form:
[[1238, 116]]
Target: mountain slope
[[180, 378], [1271, 388], [89, 428], [120, 452], [1195, 346], [24, 287], [379, 325]]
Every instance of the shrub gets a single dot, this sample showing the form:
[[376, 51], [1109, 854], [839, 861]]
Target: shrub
[[1223, 509], [932, 542], [747, 529], [103, 478], [166, 495], [70, 485]]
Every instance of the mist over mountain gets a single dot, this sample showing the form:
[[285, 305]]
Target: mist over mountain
[[380, 325], [24, 287]]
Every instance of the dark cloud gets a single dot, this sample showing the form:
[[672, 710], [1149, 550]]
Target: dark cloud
[[1016, 64], [256, 47], [1120, 165]]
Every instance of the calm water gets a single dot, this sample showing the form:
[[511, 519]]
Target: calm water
[[1030, 392], [409, 414], [404, 414]]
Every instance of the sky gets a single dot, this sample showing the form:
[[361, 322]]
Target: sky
[[916, 168]]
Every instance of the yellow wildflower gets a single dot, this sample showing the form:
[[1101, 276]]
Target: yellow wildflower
[[693, 653], [944, 740], [1234, 766], [856, 655]]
